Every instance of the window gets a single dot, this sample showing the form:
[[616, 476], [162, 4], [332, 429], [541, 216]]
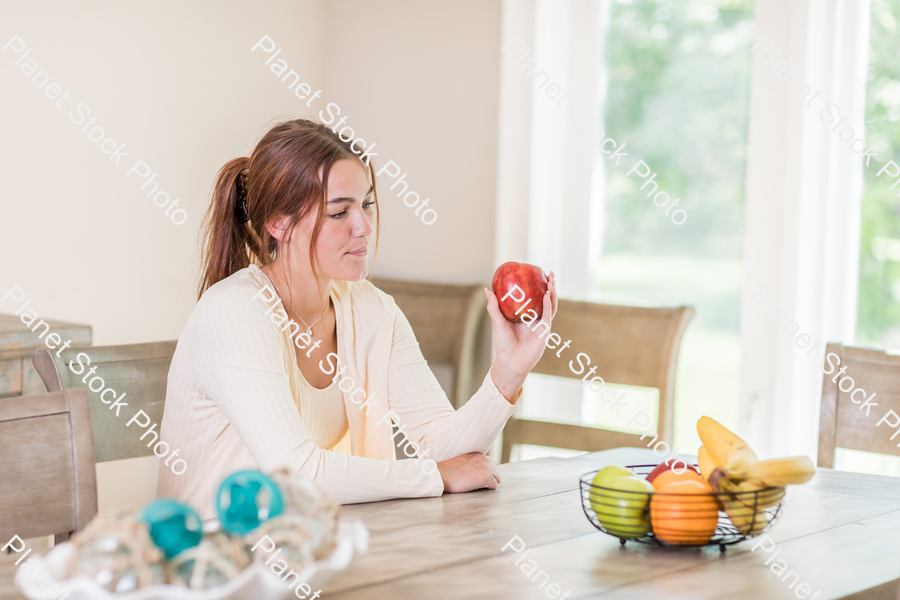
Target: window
[[677, 92], [878, 316], [878, 312]]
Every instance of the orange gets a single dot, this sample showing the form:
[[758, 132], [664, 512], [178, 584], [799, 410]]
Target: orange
[[667, 477], [684, 513]]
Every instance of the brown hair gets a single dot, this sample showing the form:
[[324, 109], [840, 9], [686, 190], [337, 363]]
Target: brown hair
[[282, 179]]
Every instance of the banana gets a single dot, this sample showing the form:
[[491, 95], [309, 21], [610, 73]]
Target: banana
[[745, 510], [744, 518], [743, 501], [741, 460], [725, 447], [745, 485], [707, 463], [778, 472], [751, 494]]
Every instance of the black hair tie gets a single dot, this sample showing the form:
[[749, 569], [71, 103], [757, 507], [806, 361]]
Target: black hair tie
[[241, 214]]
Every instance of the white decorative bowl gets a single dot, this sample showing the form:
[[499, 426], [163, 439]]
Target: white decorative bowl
[[256, 581]]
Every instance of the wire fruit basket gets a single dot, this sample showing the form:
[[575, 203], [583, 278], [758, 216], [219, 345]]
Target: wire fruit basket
[[666, 519]]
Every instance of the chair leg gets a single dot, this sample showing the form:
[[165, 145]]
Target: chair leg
[[509, 440], [505, 455]]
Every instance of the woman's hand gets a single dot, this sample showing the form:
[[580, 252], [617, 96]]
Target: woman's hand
[[469, 472], [517, 347]]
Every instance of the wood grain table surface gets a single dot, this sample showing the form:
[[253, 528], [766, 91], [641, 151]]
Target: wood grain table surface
[[840, 533]]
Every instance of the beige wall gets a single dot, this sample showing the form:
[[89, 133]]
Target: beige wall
[[422, 80], [176, 82]]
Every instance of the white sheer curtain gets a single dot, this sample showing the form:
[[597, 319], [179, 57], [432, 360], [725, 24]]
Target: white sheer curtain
[[801, 235], [555, 174], [550, 169], [562, 156], [514, 137]]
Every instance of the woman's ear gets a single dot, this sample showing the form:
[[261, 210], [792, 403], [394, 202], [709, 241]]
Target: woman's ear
[[279, 229]]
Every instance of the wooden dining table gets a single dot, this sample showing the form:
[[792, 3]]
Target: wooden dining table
[[840, 533]]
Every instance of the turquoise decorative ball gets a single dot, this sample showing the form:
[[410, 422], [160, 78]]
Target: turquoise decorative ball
[[246, 499], [173, 526]]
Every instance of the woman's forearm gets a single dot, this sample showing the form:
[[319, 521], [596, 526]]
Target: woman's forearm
[[471, 428], [507, 381], [425, 412]]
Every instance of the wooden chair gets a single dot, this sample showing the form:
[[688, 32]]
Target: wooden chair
[[629, 345], [49, 485], [841, 422], [139, 370], [452, 327], [17, 345]]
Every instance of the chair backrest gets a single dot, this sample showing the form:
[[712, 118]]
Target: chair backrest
[[841, 422], [450, 323], [630, 345], [19, 340], [138, 370], [49, 484]]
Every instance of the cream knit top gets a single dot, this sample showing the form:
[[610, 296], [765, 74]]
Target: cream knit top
[[323, 415], [234, 400]]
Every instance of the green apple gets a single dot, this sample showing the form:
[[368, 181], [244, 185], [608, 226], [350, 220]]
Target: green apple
[[602, 479], [622, 511], [607, 474]]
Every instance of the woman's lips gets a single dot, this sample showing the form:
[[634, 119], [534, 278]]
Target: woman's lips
[[361, 252]]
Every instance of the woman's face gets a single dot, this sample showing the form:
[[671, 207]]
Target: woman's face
[[342, 248]]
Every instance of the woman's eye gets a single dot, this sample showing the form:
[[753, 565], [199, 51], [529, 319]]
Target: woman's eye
[[338, 215]]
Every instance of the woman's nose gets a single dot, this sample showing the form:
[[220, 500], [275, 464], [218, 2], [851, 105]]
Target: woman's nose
[[362, 226]]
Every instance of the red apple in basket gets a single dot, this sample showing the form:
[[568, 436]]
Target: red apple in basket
[[519, 287], [663, 467]]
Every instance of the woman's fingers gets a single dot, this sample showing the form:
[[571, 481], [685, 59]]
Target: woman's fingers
[[553, 295], [493, 308], [468, 472], [492, 474], [549, 309], [495, 471]]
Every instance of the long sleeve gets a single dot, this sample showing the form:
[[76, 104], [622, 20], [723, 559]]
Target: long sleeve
[[420, 403], [240, 365]]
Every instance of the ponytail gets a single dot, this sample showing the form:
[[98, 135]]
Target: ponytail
[[224, 245], [281, 178]]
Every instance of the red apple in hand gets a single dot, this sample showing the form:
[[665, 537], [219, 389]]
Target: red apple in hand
[[519, 285]]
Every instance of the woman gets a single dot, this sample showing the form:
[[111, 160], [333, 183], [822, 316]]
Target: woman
[[288, 338]]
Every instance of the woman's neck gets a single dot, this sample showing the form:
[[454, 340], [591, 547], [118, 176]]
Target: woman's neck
[[298, 290]]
